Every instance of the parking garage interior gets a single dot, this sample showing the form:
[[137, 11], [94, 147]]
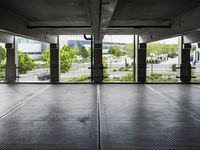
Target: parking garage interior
[[106, 75]]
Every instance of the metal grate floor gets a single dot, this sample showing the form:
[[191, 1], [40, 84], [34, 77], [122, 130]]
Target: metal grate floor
[[127, 117]]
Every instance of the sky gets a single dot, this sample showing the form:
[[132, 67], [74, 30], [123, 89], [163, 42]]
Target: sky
[[117, 39], [129, 39]]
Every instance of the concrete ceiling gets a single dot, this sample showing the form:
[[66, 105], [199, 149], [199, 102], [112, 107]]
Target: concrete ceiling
[[50, 12], [152, 19], [151, 9]]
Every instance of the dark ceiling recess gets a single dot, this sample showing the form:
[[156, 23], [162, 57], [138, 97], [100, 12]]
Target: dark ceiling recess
[[59, 27], [88, 27], [140, 27]]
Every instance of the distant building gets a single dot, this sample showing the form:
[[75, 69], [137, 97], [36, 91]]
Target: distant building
[[31, 47], [35, 48]]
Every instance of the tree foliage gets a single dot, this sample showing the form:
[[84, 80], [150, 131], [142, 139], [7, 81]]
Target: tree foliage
[[66, 58], [76, 49], [105, 64], [83, 52], [129, 49], [25, 63], [2, 53], [158, 49], [193, 48], [67, 55], [115, 50], [46, 57]]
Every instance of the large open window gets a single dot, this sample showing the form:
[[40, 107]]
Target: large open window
[[162, 61], [75, 58], [33, 62], [195, 62], [118, 54], [2, 62]]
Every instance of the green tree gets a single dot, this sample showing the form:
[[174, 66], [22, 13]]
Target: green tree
[[76, 49], [158, 49], [105, 64], [2, 53], [25, 63], [66, 58], [67, 55], [46, 57], [129, 49], [193, 48], [83, 52], [115, 50], [89, 51]]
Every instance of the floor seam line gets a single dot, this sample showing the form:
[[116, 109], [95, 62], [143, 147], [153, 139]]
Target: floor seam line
[[22, 103], [169, 100], [198, 87], [99, 144]]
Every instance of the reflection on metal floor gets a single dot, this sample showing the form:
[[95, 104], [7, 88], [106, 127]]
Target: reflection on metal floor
[[106, 117], [58, 117]]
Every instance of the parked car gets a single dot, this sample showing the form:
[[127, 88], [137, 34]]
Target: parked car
[[44, 76]]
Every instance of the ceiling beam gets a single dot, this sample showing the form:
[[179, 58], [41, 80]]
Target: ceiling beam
[[193, 37], [6, 38], [140, 22], [16, 25], [66, 22], [93, 8], [180, 25], [108, 8]]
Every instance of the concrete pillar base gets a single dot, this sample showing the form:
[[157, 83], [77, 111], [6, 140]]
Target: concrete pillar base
[[10, 63], [54, 63], [141, 62], [185, 66], [98, 65]]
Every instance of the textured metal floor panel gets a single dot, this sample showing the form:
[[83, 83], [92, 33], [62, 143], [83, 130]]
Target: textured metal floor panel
[[62, 117], [187, 96], [132, 117], [10, 95], [136, 118]]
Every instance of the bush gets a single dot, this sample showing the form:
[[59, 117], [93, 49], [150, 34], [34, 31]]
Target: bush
[[156, 77], [2, 74], [105, 64], [128, 77], [2, 53], [80, 78]]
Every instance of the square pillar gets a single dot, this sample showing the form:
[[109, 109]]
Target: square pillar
[[98, 64], [185, 66], [141, 49], [54, 63], [10, 63]]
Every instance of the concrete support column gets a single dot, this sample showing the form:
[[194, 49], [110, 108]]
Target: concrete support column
[[10, 63], [185, 66], [98, 64], [54, 62], [141, 49]]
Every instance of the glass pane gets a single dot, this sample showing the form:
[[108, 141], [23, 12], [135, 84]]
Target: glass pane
[[162, 60], [195, 62], [118, 58], [75, 58], [33, 62], [2, 62]]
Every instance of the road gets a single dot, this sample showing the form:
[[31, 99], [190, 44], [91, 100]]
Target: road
[[81, 69]]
